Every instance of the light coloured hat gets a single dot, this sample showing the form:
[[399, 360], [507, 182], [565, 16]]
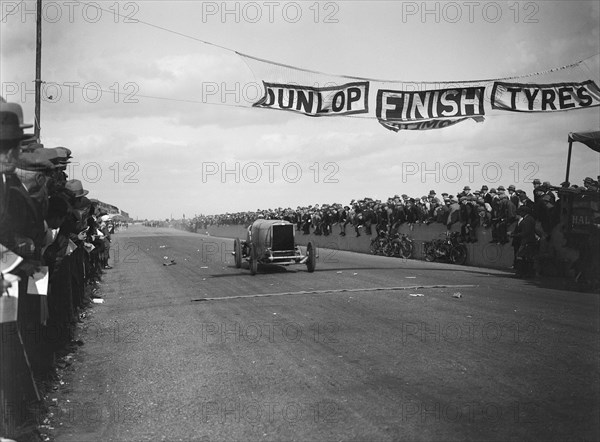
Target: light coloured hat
[[76, 187]]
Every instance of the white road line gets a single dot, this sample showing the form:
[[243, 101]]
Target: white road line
[[320, 292]]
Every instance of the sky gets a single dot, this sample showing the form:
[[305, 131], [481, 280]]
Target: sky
[[155, 103]]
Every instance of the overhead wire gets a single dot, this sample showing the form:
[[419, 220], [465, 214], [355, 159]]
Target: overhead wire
[[544, 72], [12, 10], [580, 64]]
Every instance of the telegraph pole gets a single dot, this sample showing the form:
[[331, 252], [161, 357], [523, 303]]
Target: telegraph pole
[[38, 69]]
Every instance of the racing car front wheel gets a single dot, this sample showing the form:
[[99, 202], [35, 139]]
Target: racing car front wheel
[[253, 260], [311, 262], [237, 248]]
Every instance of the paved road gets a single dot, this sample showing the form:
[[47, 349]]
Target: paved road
[[341, 354]]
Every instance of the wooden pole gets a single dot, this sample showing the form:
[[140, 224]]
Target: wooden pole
[[38, 69], [569, 161]]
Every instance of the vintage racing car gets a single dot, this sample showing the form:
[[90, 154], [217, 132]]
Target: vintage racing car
[[272, 242]]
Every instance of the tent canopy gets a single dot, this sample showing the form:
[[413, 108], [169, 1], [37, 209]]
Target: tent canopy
[[591, 139]]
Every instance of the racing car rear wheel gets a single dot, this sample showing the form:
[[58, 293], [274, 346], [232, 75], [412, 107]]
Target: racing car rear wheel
[[253, 260], [237, 248], [311, 262]]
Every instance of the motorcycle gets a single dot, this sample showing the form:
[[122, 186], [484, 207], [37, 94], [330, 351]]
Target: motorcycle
[[450, 249], [400, 246]]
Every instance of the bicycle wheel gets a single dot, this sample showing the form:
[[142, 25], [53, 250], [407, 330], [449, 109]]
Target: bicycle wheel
[[389, 249], [374, 247], [429, 253], [458, 255], [406, 249]]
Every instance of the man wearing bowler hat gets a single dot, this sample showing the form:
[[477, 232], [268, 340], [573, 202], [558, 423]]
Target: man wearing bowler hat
[[16, 383], [11, 136]]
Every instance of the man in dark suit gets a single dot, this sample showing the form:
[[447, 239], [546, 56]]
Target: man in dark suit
[[512, 194], [528, 243]]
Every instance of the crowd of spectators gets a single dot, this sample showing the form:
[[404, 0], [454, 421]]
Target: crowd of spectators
[[54, 245], [494, 208], [499, 209]]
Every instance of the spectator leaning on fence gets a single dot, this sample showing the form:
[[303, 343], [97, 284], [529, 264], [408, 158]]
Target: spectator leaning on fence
[[43, 225]]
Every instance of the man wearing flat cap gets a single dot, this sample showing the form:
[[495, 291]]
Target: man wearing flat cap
[[23, 175], [506, 215], [524, 200], [512, 195]]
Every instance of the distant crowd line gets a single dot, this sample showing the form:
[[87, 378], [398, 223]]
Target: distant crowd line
[[494, 208]]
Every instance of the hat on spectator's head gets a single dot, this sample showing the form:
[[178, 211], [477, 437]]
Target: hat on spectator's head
[[31, 146], [503, 196], [404, 196], [512, 187], [466, 188], [547, 184], [76, 187], [501, 188], [484, 187], [492, 190], [453, 199], [58, 156], [477, 192], [11, 122], [432, 192], [34, 161], [462, 199], [480, 200], [536, 181]]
